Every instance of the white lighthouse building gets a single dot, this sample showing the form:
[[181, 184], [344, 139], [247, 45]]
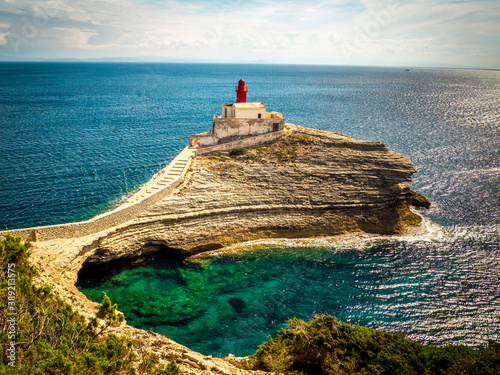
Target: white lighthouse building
[[241, 120]]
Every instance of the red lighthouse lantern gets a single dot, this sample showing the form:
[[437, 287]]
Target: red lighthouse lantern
[[241, 92]]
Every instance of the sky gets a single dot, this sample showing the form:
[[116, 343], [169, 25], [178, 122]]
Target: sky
[[437, 33]]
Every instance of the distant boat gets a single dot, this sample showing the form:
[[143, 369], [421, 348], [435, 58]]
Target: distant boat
[[407, 70]]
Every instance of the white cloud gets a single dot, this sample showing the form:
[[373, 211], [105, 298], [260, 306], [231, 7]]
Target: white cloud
[[291, 31], [105, 35], [422, 31]]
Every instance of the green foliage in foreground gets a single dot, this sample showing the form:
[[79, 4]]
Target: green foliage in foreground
[[45, 335], [326, 346]]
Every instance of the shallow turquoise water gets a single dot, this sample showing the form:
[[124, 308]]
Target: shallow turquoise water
[[232, 303]]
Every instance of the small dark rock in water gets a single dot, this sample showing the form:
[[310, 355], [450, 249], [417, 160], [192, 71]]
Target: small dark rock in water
[[418, 200], [237, 304]]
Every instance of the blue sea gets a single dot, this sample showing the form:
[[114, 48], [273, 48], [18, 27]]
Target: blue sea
[[77, 137]]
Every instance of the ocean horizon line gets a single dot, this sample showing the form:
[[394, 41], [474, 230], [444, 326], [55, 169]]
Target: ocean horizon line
[[153, 60]]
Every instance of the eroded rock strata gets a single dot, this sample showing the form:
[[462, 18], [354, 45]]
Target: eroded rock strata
[[309, 183]]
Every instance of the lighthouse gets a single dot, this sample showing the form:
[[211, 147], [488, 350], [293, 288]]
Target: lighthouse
[[243, 109], [240, 124], [241, 91]]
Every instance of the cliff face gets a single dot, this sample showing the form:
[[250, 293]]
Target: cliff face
[[309, 183]]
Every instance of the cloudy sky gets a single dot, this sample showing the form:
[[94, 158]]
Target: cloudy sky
[[450, 33]]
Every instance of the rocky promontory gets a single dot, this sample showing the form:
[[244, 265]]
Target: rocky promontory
[[309, 183]]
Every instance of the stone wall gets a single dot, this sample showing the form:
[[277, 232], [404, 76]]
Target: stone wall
[[242, 143], [230, 129], [102, 222], [202, 140], [110, 219]]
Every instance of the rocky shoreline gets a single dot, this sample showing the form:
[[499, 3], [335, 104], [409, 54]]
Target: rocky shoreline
[[310, 183]]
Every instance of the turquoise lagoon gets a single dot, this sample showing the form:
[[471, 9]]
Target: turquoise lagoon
[[230, 303]]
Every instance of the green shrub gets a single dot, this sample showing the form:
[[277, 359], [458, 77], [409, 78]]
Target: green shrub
[[238, 151], [50, 337], [171, 369], [326, 346]]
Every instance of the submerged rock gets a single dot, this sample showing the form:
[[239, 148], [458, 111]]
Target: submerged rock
[[237, 304]]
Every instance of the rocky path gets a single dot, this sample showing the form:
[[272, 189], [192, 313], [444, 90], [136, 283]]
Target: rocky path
[[175, 170], [159, 187]]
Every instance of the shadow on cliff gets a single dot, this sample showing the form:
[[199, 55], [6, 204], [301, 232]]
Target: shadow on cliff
[[93, 271]]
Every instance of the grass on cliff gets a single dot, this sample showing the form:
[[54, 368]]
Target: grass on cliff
[[41, 334], [326, 346], [285, 150]]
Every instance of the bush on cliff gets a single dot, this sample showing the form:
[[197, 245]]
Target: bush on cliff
[[237, 151], [41, 334], [326, 346]]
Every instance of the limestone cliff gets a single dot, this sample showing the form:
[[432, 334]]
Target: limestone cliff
[[309, 183]]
